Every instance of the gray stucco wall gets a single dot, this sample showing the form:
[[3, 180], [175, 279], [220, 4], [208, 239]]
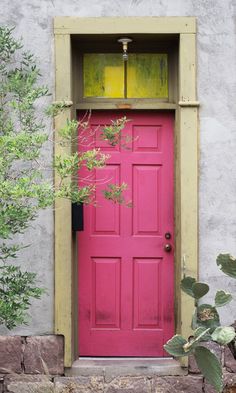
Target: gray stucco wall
[[217, 94]]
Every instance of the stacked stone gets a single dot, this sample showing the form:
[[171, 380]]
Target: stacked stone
[[35, 365], [29, 364], [228, 362]]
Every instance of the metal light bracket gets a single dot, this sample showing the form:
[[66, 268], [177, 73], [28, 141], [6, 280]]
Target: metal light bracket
[[125, 41]]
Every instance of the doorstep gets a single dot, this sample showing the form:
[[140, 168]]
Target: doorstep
[[113, 367]]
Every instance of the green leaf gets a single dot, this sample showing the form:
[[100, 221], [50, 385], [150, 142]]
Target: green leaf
[[207, 316], [193, 288], [194, 324], [210, 367], [175, 346], [199, 331], [203, 333], [227, 264], [223, 335], [113, 133], [187, 285], [222, 298], [198, 336], [200, 289], [17, 289]]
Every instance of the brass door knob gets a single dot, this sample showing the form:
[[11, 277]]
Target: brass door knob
[[167, 247]]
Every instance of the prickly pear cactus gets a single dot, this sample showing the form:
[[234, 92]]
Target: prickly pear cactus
[[227, 264], [206, 325]]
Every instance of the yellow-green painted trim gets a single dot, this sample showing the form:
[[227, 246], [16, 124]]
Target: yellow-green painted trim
[[127, 105], [186, 165], [189, 103], [188, 171], [124, 25], [188, 179], [63, 236]]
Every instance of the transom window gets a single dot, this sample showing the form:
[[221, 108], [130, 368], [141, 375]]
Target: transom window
[[144, 75]]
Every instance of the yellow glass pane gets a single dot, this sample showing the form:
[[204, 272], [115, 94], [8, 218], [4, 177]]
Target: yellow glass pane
[[147, 75], [103, 75]]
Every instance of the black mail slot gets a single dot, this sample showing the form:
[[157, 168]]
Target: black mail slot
[[77, 217]]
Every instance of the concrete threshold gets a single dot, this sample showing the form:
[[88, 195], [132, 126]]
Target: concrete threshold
[[110, 368]]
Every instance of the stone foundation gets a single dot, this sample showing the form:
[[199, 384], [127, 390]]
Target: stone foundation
[[35, 365], [32, 355], [26, 383]]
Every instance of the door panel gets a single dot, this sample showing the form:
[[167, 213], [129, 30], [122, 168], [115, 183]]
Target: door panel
[[147, 293], [105, 309], [126, 279], [146, 186]]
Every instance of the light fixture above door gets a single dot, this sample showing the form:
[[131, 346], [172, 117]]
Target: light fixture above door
[[125, 41]]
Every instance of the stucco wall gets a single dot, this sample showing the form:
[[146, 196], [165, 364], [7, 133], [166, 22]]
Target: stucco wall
[[216, 92]]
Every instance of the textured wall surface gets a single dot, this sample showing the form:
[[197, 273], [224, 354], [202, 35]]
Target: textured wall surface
[[216, 91]]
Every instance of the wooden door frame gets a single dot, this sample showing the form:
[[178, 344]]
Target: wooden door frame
[[186, 162]]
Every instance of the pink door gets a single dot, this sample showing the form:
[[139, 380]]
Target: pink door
[[126, 298]]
